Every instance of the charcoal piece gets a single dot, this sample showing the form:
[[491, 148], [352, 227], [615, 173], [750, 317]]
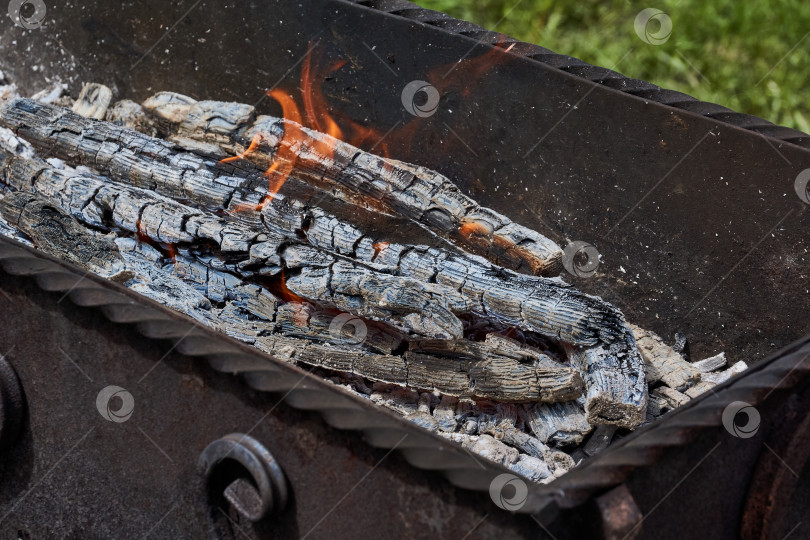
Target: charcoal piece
[[662, 363]]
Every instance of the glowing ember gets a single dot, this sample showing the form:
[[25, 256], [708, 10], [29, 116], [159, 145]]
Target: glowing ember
[[140, 233], [379, 247], [171, 250], [476, 228]]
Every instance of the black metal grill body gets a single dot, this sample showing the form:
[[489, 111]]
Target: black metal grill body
[[692, 209]]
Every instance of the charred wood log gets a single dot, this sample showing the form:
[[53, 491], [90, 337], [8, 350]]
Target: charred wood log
[[420, 194], [548, 307], [54, 231], [420, 307], [50, 226], [723, 376], [710, 364], [615, 384], [662, 363], [611, 365], [560, 424]]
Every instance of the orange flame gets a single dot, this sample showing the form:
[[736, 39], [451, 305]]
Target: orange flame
[[286, 155], [379, 247], [140, 234], [314, 102], [286, 294], [143, 237], [171, 249], [473, 69], [254, 144], [285, 158]]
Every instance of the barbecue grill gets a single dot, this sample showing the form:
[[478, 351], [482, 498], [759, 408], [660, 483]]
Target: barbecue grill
[[692, 207]]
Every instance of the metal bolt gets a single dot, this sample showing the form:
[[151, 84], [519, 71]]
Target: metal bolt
[[254, 498], [12, 405]]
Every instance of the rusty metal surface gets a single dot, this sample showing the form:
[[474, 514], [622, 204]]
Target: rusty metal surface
[[706, 486], [778, 498], [621, 518]]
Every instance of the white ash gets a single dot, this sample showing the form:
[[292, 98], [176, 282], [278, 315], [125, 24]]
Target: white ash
[[14, 145], [53, 94], [710, 364], [93, 101], [723, 376]]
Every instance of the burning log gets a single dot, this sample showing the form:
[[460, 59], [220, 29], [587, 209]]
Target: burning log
[[548, 307], [496, 377], [539, 305], [418, 193], [278, 271], [100, 202]]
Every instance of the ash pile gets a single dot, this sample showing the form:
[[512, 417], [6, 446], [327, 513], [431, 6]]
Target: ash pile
[[378, 275]]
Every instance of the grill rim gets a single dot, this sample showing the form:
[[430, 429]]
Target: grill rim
[[636, 88]]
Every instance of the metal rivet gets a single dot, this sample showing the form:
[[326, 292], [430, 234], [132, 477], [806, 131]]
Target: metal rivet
[[254, 498]]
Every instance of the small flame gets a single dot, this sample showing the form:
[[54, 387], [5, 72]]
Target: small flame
[[143, 237], [171, 249], [379, 247], [286, 294], [254, 144], [318, 117], [286, 156], [139, 232]]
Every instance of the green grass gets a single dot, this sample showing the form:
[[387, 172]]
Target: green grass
[[751, 56]]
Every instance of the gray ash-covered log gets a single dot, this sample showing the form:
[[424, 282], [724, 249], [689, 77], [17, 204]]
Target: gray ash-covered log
[[102, 203], [418, 193], [548, 307], [358, 267], [57, 233]]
